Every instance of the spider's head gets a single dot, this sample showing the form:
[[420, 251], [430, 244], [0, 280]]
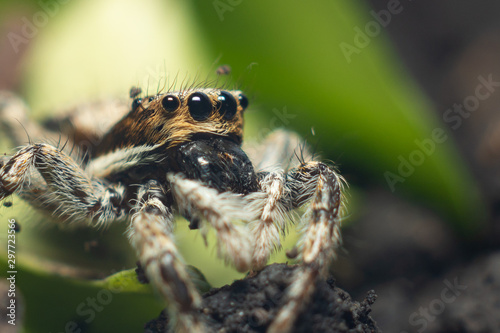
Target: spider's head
[[205, 130], [190, 114], [199, 131], [173, 118]]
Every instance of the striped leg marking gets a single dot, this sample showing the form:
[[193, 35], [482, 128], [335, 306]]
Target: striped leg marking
[[151, 235], [222, 211], [274, 206], [320, 236], [65, 187]]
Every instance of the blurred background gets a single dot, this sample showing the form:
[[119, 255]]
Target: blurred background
[[400, 95]]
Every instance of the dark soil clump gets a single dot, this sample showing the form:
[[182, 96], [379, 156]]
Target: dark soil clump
[[250, 305]]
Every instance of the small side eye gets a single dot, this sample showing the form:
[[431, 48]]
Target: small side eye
[[226, 105], [199, 106], [136, 103], [243, 101], [170, 103]]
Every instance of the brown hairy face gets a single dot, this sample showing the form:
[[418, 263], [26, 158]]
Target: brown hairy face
[[173, 118]]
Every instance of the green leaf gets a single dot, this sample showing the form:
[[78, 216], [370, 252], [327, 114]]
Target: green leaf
[[52, 303], [118, 303], [125, 281]]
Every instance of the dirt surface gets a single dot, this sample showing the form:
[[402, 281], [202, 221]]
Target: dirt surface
[[472, 303], [427, 279], [250, 304]]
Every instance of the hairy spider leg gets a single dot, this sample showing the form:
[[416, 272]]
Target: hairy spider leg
[[320, 236], [221, 211], [275, 207], [273, 201], [76, 196], [151, 234]]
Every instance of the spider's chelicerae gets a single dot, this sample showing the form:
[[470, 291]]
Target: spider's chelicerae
[[180, 152]]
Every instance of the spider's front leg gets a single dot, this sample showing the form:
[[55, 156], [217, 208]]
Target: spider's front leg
[[221, 211], [51, 180], [274, 201], [151, 235], [319, 184]]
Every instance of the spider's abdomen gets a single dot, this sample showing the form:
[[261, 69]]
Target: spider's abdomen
[[218, 162]]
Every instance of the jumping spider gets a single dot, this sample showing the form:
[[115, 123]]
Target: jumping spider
[[180, 152]]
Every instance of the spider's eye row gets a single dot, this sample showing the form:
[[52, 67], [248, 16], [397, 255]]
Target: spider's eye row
[[226, 105], [136, 103], [243, 101], [170, 103], [199, 106]]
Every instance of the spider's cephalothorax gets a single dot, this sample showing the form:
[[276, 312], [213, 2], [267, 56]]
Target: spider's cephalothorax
[[197, 133], [180, 152]]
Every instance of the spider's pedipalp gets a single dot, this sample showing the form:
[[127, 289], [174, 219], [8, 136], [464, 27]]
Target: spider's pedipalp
[[321, 185], [151, 235], [220, 210], [274, 204]]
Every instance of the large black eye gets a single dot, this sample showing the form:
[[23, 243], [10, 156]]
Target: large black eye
[[136, 103], [243, 101], [170, 103], [227, 104], [199, 106]]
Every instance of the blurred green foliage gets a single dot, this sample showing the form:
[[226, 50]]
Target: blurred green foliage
[[365, 110], [54, 303]]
